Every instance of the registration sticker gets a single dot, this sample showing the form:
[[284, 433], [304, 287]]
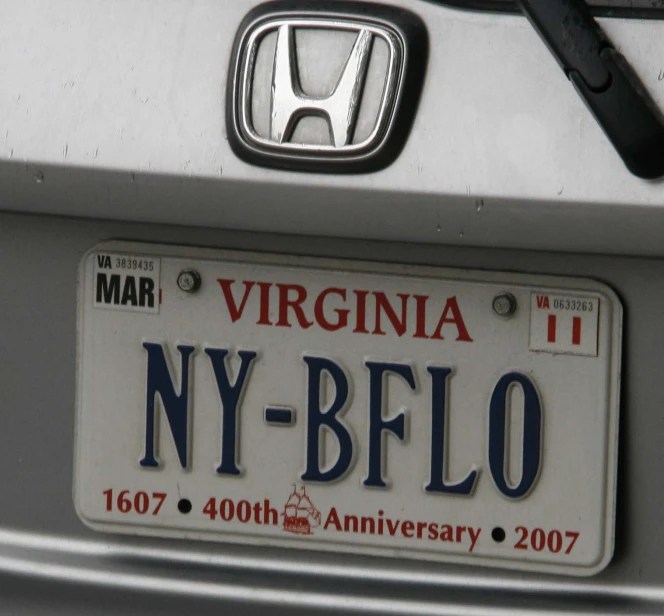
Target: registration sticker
[[407, 412], [564, 323], [126, 282]]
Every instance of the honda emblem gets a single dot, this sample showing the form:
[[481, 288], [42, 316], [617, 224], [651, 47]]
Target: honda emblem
[[327, 86]]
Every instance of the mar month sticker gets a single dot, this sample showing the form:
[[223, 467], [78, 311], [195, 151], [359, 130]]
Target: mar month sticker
[[126, 282]]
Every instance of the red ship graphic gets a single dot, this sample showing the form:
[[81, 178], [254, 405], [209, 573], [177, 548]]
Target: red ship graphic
[[299, 514]]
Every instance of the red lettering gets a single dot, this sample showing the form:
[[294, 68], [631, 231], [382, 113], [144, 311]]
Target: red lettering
[[446, 533], [350, 523], [257, 513], [270, 515], [292, 303], [573, 536], [333, 518], [551, 328], [244, 511], [234, 311], [226, 509], [452, 306], [392, 526], [361, 313], [141, 502], [543, 301], [576, 330], [210, 508], [319, 312], [383, 304], [367, 525], [555, 541], [296, 304], [521, 543], [264, 318], [407, 528], [161, 497], [541, 540], [420, 316]]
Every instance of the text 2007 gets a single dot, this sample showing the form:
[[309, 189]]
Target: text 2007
[[539, 540], [139, 502]]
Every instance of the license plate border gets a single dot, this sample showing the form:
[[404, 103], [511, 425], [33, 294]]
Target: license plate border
[[468, 275]]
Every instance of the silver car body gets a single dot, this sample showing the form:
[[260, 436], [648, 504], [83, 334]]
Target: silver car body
[[112, 126]]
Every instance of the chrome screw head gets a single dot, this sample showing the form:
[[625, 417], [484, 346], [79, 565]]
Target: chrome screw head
[[504, 304], [189, 281]]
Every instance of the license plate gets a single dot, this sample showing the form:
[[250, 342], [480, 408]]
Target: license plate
[[410, 412]]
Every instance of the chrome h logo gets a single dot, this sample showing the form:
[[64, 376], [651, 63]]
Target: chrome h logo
[[330, 87]]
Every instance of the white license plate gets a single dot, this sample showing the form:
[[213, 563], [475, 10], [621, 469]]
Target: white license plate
[[345, 406]]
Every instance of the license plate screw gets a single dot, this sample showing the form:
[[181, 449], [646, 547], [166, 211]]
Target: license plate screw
[[504, 304], [189, 281]]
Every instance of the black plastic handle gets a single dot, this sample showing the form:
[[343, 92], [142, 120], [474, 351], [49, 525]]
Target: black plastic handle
[[605, 80]]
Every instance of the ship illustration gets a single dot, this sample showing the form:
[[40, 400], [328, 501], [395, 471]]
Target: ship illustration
[[300, 515]]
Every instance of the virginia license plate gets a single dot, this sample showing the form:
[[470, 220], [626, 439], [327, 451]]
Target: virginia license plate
[[410, 412]]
